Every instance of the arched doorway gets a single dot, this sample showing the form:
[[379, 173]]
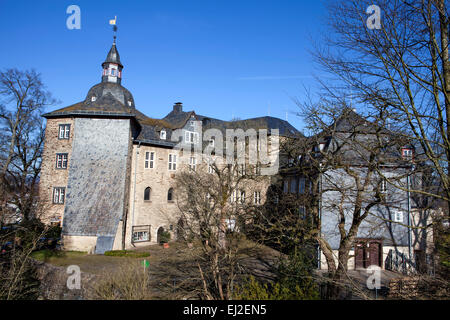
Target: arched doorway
[[160, 235]]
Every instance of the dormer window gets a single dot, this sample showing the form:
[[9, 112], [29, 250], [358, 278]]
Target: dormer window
[[407, 153], [162, 135], [93, 98], [129, 103]]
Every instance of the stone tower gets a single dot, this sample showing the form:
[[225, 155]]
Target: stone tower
[[91, 192]]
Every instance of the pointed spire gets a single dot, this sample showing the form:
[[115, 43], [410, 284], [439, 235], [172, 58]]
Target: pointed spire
[[113, 56], [112, 67]]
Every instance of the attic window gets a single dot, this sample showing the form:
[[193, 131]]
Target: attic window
[[129, 103], [93, 98], [162, 135]]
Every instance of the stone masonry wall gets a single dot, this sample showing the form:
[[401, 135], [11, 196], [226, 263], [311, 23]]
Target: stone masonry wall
[[158, 211], [50, 176]]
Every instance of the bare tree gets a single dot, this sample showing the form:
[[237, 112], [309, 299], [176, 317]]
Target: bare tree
[[401, 64], [18, 274], [341, 173], [23, 98], [215, 204]]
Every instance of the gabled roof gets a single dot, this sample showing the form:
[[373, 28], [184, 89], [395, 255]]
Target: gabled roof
[[355, 135], [178, 119], [113, 100]]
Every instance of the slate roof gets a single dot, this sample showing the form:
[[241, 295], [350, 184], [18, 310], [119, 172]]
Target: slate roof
[[365, 134], [151, 128], [110, 99], [113, 56], [113, 100]]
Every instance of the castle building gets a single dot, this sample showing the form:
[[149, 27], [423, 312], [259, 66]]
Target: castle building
[[108, 170], [341, 156]]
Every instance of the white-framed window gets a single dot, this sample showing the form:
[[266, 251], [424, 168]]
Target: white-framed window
[[301, 185], [139, 236], [407, 153], [383, 186], [162, 135], [141, 233], [192, 163], [149, 160], [64, 131], [191, 137], [172, 162], [231, 224], [59, 194], [61, 160], [93, 98], [398, 216], [258, 168], [233, 197], [257, 197], [241, 169]]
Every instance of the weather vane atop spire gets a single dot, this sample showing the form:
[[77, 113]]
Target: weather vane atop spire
[[113, 23]]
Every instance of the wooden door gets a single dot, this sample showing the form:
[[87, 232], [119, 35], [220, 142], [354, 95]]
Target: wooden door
[[374, 254], [367, 253]]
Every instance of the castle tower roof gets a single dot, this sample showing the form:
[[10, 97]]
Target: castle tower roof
[[113, 56]]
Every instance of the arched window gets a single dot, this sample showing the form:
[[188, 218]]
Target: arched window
[[147, 194], [170, 195]]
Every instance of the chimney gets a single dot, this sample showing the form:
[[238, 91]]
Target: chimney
[[178, 107]]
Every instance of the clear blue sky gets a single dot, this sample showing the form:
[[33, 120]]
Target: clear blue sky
[[220, 58]]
